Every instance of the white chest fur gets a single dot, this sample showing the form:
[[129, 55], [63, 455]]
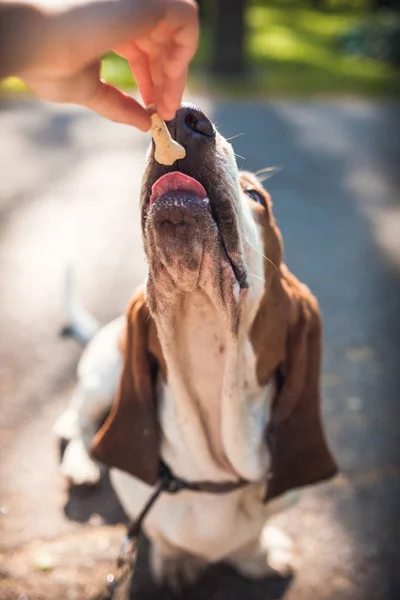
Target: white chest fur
[[213, 412]]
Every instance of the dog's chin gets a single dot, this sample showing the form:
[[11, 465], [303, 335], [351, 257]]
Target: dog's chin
[[186, 244], [183, 231]]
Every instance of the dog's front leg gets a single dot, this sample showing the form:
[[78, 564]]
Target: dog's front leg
[[75, 429], [270, 554], [174, 568]]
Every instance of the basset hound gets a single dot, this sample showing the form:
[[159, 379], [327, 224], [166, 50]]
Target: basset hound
[[214, 370]]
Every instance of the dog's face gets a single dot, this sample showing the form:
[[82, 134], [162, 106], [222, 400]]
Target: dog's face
[[202, 221]]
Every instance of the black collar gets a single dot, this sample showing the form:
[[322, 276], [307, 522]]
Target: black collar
[[173, 484]]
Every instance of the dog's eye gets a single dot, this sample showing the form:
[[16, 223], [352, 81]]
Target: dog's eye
[[256, 195]]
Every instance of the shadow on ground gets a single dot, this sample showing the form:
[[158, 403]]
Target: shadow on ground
[[85, 501], [220, 582]]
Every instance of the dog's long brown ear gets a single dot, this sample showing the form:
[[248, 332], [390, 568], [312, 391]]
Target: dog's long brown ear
[[299, 451], [129, 438], [286, 337]]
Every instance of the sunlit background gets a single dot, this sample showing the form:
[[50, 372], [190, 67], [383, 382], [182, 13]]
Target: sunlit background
[[311, 87]]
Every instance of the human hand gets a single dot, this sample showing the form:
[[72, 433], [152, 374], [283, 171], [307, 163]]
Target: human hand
[[157, 37]]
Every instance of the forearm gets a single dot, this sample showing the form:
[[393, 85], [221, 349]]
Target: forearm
[[23, 30]]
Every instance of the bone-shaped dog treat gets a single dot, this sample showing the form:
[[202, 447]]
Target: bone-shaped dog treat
[[167, 150]]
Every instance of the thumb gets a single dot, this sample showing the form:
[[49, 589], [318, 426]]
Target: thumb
[[115, 105]]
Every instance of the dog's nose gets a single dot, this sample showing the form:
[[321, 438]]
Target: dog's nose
[[191, 127]]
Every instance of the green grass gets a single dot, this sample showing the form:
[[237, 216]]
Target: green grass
[[292, 51], [117, 71], [12, 86], [295, 51]]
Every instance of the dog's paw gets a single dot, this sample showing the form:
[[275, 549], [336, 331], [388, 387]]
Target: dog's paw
[[77, 466], [66, 426], [271, 555], [176, 571], [280, 551]]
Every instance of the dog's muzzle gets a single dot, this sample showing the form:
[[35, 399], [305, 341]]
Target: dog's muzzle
[[189, 210]]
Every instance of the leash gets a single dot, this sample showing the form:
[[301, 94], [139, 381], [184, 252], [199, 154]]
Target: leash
[[170, 484]]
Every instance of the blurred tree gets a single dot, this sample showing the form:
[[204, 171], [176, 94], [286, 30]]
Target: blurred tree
[[228, 37], [317, 4], [391, 4], [201, 4]]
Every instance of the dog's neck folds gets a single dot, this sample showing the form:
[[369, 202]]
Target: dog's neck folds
[[213, 412]]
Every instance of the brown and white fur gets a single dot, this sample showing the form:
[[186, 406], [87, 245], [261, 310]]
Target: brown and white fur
[[204, 288]]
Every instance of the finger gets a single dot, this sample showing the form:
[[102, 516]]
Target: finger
[[141, 72], [184, 42], [177, 59], [156, 68], [168, 96], [113, 104], [146, 61]]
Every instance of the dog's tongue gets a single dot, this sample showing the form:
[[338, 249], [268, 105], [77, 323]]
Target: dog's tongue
[[177, 182]]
